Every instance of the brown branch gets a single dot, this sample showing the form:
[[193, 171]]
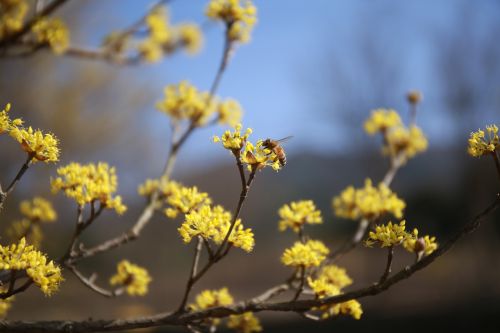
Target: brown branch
[[497, 162], [181, 319], [192, 274], [12, 291], [17, 178], [387, 271], [90, 283], [302, 276]]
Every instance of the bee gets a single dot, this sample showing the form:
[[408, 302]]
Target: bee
[[277, 149]]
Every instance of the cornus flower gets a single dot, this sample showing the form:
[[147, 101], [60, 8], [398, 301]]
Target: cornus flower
[[150, 186], [309, 254], [21, 257], [298, 213], [389, 235], [368, 202], [6, 303], [133, 278], [335, 275], [406, 142], [5, 122], [25, 229], [53, 32], [185, 102], [229, 112], [38, 209], [190, 37], [483, 143], [43, 147], [239, 18], [381, 120], [12, 14], [212, 298], [258, 157], [424, 245], [351, 308], [213, 224], [185, 199], [234, 141], [244, 323], [89, 183], [322, 288]]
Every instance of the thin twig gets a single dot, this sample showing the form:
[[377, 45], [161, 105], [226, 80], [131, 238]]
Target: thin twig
[[387, 271], [17, 290], [192, 274], [90, 283], [17, 178], [302, 274]]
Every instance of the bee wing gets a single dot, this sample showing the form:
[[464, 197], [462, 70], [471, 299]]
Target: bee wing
[[285, 139]]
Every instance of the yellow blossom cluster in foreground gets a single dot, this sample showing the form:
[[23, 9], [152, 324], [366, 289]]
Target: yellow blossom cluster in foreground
[[308, 254], [39, 146], [164, 38], [53, 32], [399, 140], [240, 17], [298, 213], [36, 211], [393, 234], [213, 223], [22, 257], [368, 202], [89, 183], [329, 282], [134, 278], [256, 157], [184, 101], [244, 323], [483, 143]]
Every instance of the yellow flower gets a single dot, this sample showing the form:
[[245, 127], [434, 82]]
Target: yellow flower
[[43, 147], [239, 16], [22, 257], [335, 275], [38, 209], [405, 141], [134, 278], [190, 37], [6, 123], [368, 202], [150, 50], [389, 235], [53, 32], [352, 308], [213, 224], [234, 141], [244, 323], [212, 298], [381, 120], [480, 144], [308, 254], [229, 112], [12, 14], [322, 288], [158, 26], [258, 157], [185, 102], [89, 183], [298, 213], [5, 304], [184, 200], [425, 245]]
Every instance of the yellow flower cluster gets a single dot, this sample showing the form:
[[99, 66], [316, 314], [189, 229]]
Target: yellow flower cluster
[[22, 257], [481, 144], [212, 298], [27, 229], [308, 254], [53, 32], [390, 234], [151, 186], [39, 209], [134, 278], [184, 101], [239, 16], [298, 213], [164, 38], [12, 14], [212, 223], [330, 281], [5, 304], [6, 124], [244, 323], [381, 120], [256, 157], [185, 199], [89, 183], [399, 140], [368, 202]]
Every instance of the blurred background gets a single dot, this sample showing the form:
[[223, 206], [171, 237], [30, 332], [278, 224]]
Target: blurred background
[[313, 70]]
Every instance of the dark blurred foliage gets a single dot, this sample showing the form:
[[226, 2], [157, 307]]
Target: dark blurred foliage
[[96, 111]]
